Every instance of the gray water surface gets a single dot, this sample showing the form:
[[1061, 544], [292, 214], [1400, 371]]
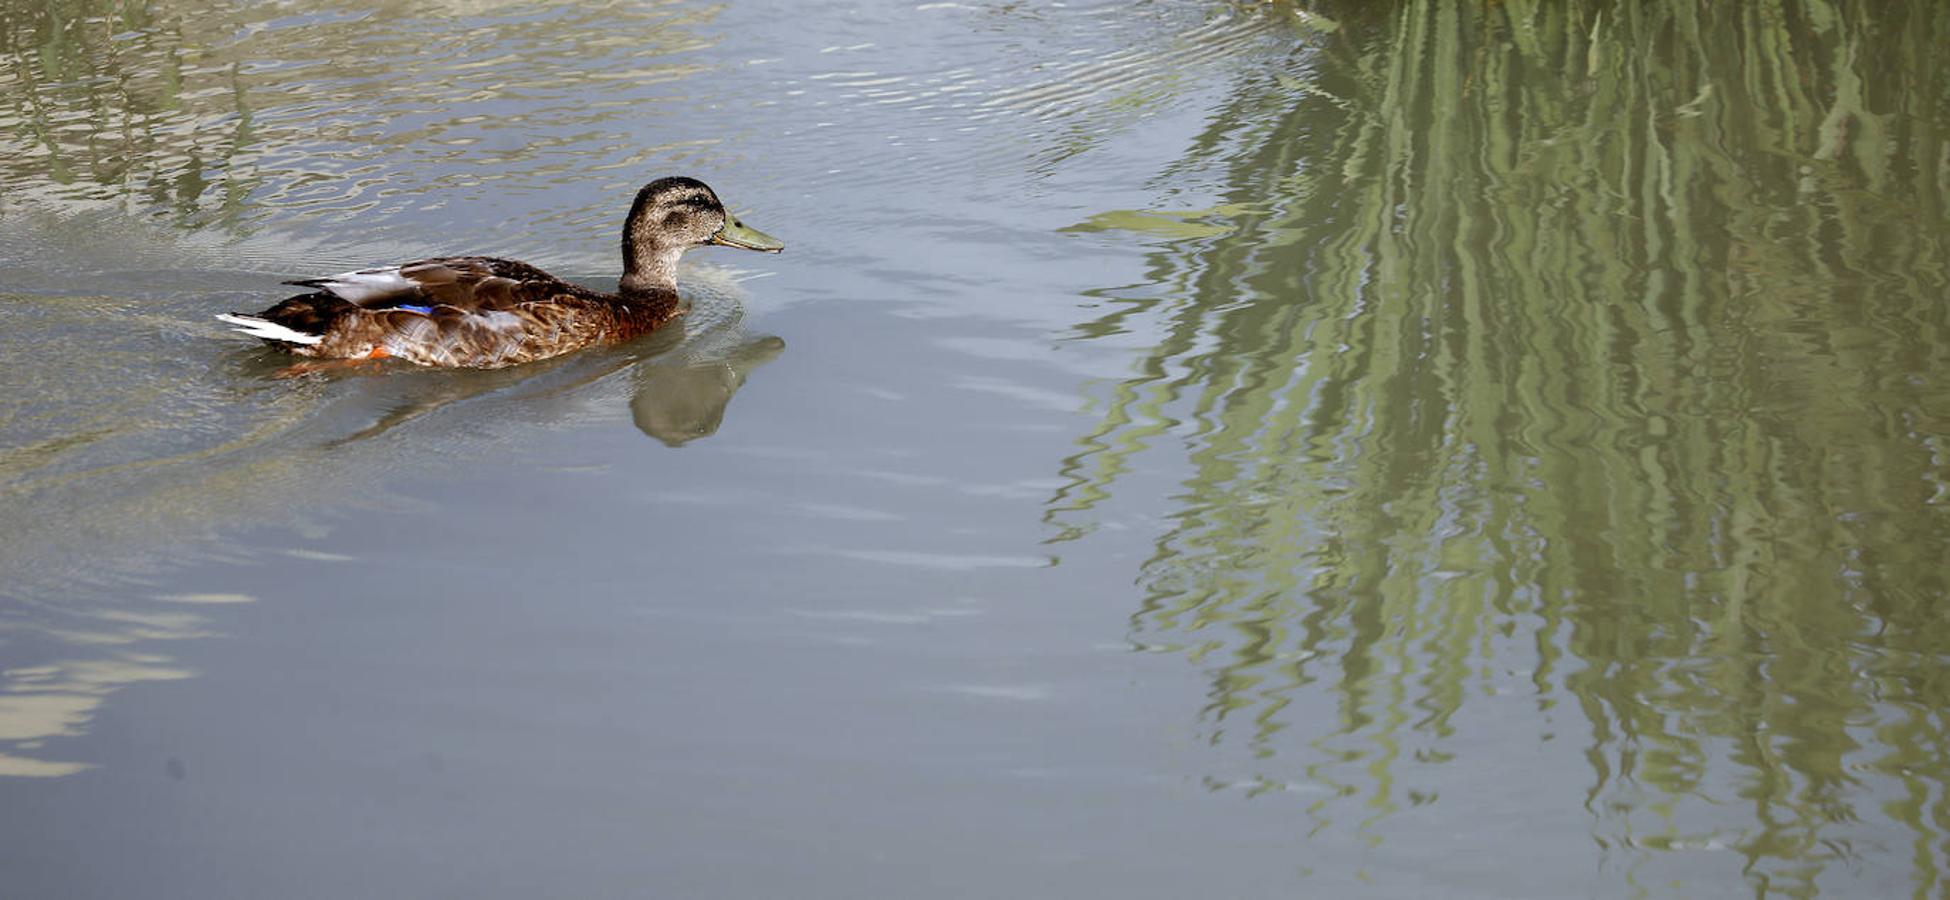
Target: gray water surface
[[1186, 449]]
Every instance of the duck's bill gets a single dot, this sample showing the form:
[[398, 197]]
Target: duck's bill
[[737, 234]]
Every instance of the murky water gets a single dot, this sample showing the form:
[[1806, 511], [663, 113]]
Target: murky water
[[1187, 449]]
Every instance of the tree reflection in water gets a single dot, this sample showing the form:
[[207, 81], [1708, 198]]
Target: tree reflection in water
[[1589, 351]]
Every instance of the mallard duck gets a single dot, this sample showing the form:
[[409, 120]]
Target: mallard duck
[[483, 312]]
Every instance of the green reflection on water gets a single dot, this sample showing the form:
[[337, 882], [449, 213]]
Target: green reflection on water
[[1592, 352], [216, 111]]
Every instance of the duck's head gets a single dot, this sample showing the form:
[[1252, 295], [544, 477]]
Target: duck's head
[[672, 215]]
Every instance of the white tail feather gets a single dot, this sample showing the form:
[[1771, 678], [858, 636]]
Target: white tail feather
[[268, 330]]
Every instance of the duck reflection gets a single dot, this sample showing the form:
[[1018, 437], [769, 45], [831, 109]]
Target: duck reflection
[[680, 382], [681, 396]]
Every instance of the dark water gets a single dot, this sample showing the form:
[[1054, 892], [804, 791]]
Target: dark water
[[1187, 449]]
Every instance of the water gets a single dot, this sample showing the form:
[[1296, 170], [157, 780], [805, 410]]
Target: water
[[1187, 449]]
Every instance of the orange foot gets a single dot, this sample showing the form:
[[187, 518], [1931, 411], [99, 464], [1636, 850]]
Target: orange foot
[[353, 364]]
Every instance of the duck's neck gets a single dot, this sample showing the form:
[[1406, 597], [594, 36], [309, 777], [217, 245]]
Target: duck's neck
[[646, 298], [650, 269]]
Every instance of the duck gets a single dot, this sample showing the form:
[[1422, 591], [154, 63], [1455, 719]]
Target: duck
[[487, 313]]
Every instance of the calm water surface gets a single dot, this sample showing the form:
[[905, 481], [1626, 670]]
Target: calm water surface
[[1187, 449]]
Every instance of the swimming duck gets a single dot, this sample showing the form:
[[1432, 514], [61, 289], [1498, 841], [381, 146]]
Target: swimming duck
[[483, 312]]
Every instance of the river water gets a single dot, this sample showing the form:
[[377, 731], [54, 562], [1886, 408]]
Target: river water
[[1186, 449]]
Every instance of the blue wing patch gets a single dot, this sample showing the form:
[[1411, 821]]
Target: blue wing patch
[[422, 310]]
